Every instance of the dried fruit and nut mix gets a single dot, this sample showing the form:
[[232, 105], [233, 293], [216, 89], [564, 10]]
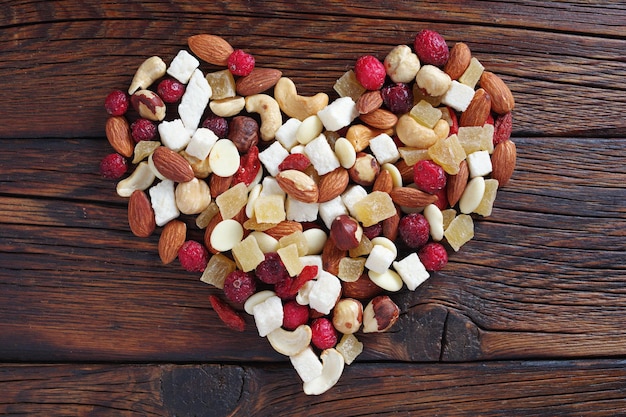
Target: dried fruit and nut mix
[[313, 210]]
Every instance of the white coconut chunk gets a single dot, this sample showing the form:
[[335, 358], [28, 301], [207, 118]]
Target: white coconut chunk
[[272, 157], [321, 155], [338, 114], [268, 315], [201, 143], [194, 101], [412, 271], [163, 201], [182, 66], [384, 149], [174, 135]]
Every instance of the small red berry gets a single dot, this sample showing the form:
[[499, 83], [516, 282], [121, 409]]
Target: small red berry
[[428, 176], [143, 129], [193, 256], [431, 48], [454, 127], [370, 72], [217, 124], [434, 256], [227, 314], [324, 334], [442, 198], [294, 315], [113, 166], [116, 103], [414, 230], [502, 128], [398, 98], [283, 289], [373, 231], [271, 270], [240, 63], [297, 161], [170, 90], [239, 285]]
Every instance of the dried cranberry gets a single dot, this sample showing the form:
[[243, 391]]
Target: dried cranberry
[[283, 289], [370, 72], [170, 90], [227, 314], [240, 63], [428, 176], [442, 198], [294, 315], [502, 128], [297, 161], [113, 166], [249, 166], [323, 333], [116, 103], [193, 256], [143, 129], [217, 124], [373, 231], [239, 285], [398, 98], [431, 48], [454, 127], [414, 230], [271, 270], [433, 256]]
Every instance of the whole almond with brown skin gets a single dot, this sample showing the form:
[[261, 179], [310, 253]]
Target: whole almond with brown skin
[[140, 214], [210, 48], [361, 289], [284, 228], [331, 256], [502, 100], [406, 171], [172, 238], [503, 162], [478, 110], [217, 184], [459, 60], [298, 185], [457, 183], [369, 101], [332, 184], [379, 119], [118, 134], [390, 226], [411, 197], [172, 165], [258, 81], [383, 182]]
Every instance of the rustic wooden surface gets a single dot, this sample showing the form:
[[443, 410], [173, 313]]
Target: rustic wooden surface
[[527, 319]]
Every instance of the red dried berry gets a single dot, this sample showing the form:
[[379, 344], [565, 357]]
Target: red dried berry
[[294, 315], [502, 128], [113, 166], [170, 90], [324, 334], [217, 124], [431, 48], [454, 127], [398, 98], [434, 256], [116, 103], [143, 129], [240, 63], [227, 314], [373, 231], [428, 176], [308, 273], [283, 289], [297, 161], [442, 199], [193, 256], [249, 166], [370, 72], [239, 285], [414, 230], [271, 270]]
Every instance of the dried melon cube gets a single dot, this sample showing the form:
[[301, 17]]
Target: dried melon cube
[[351, 269], [291, 258], [248, 254], [348, 86], [459, 231], [472, 73], [413, 155], [222, 84], [476, 138], [364, 248], [270, 209], [217, 270], [448, 153], [486, 204], [232, 200], [296, 238], [425, 114], [448, 216], [349, 347], [373, 208], [204, 218]]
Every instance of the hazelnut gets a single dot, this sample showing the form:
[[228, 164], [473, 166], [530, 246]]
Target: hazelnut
[[243, 131], [348, 315], [346, 232], [365, 169], [380, 314], [149, 105]]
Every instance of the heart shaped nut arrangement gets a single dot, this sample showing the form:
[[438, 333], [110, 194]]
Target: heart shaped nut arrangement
[[313, 211]]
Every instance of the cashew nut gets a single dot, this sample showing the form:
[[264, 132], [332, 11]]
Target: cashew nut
[[412, 133], [332, 368], [148, 72], [296, 106], [268, 109], [140, 179], [228, 107], [290, 343]]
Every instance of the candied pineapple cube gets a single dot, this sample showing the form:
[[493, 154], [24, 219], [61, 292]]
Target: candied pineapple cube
[[426, 114], [349, 347], [373, 208], [348, 86], [204, 218], [232, 200], [270, 209], [222, 84], [364, 248], [476, 138], [448, 153], [351, 269], [296, 238], [413, 155], [448, 216], [459, 231], [472, 73], [486, 204], [217, 270], [291, 258], [248, 254]]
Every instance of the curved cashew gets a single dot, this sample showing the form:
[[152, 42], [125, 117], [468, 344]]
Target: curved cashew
[[412, 133], [296, 106], [332, 369], [148, 72], [140, 179], [268, 109], [228, 107], [290, 343]]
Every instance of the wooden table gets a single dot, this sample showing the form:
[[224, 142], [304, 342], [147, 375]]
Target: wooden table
[[527, 319]]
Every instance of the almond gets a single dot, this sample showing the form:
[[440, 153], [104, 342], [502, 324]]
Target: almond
[[218, 184], [406, 171], [331, 256], [369, 101], [118, 133], [502, 100], [380, 119], [390, 226], [172, 238], [284, 228], [258, 81], [210, 48], [209, 231], [457, 183], [503, 162], [140, 214], [332, 184], [411, 197], [298, 185], [361, 289], [383, 182], [478, 110], [172, 165], [459, 60]]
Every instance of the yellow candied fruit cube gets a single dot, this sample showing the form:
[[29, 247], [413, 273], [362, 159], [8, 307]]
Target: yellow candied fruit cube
[[217, 270], [232, 200], [373, 208], [349, 347], [425, 114], [270, 209], [296, 238], [348, 86], [413, 155], [290, 257], [204, 218], [351, 269], [448, 153], [364, 248], [448, 216], [472, 74], [476, 138], [459, 231], [486, 204], [222, 84], [248, 254]]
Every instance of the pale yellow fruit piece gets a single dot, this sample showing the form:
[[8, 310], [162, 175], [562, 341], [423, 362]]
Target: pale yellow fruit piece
[[217, 270], [232, 200], [459, 231], [204, 218], [448, 216], [373, 208], [222, 84], [426, 114], [476, 138], [349, 347], [413, 155], [351, 269], [290, 257], [348, 86], [472, 74], [448, 153], [486, 204], [296, 238], [143, 149], [248, 254], [364, 248], [270, 209]]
